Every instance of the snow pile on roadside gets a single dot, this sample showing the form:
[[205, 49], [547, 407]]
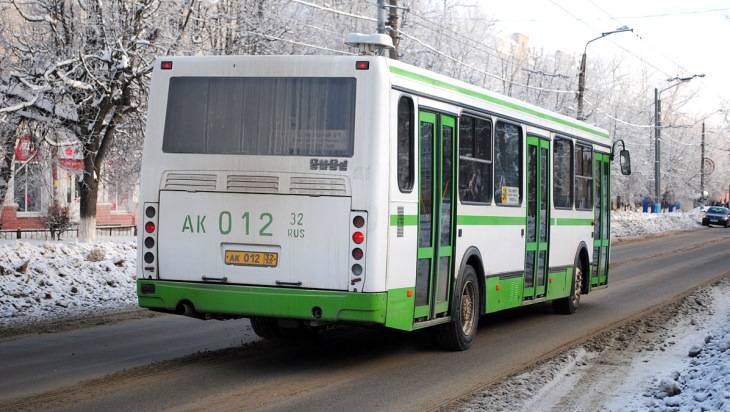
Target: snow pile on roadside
[[636, 224], [41, 280], [704, 384]]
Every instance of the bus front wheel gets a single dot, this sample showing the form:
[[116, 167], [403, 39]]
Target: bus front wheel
[[459, 333]]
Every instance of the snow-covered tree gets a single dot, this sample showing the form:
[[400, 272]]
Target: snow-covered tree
[[83, 66]]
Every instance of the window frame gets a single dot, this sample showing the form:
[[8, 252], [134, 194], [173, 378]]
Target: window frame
[[521, 156], [571, 175], [25, 168], [475, 116], [583, 147], [411, 145]]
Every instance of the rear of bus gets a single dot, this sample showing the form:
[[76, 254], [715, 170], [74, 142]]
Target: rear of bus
[[263, 188]]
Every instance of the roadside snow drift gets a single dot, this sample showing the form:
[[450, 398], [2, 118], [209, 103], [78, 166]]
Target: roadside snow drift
[[42, 280], [637, 224]]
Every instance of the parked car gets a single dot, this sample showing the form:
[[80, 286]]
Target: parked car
[[716, 216]]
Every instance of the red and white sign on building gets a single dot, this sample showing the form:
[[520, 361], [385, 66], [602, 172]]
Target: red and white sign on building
[[71, 158], [25, 149]]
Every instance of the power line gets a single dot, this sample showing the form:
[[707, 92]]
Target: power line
[[270, 37], [568, 12], [433, 49], [486, 73], [335, 11]]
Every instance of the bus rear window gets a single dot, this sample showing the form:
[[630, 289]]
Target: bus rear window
[[295, 116]]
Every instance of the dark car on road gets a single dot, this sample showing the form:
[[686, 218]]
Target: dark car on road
[[716, 216]]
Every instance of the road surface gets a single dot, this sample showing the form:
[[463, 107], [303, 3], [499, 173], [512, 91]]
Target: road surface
[[350, 369]]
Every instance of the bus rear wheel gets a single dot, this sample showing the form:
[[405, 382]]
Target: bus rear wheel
[[267, 328], [569, 305], [459, 333]]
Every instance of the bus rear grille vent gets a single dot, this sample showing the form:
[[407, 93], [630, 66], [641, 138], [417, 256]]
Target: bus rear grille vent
[[252, 184], [190, 182], [326, 186]]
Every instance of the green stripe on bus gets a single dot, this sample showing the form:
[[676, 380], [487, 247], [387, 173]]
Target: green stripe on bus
[[408, 220], [471, 220], [562, 221], [468, 220], [510, 105]]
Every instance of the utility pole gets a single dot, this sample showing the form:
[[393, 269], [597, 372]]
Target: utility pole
[[657, 151], [381, 17], [581, 85], [702, 164], [657, 136], [394, 24], [582, 73]]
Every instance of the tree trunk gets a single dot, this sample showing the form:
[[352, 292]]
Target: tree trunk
[[88, 196], [7, 135]]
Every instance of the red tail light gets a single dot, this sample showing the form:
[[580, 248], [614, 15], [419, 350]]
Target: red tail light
[[358, 237], [149, 227]]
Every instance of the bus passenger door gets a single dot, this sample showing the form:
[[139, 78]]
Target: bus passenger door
[[601, 204], [436, 215], [538, 217]]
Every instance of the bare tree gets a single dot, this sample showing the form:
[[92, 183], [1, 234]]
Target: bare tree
[[82, 65]]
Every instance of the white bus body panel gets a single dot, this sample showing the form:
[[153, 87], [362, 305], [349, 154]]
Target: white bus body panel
[[309, 235], [365, 177]]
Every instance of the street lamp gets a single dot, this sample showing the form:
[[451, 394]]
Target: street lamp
[[657, 134], [582, 74]]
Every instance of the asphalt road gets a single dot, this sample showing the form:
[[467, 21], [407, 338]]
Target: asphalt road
[[349, 369]]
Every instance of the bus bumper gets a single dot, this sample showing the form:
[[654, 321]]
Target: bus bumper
[[238, 300]]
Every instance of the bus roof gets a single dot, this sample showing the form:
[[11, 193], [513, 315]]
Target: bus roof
[[426, 83], [409, 77]]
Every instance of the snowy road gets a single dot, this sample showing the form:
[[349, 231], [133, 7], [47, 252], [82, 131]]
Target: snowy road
[[353, 369]]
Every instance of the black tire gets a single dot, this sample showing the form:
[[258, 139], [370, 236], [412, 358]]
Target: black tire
[[266, 328], [459, 333], [568, 305]]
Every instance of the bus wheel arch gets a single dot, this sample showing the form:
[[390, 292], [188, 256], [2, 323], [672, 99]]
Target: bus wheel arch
[[473, 258]]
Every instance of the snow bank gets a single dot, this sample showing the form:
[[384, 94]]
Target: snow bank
[[702, 383], [50, 279], [636, 224]]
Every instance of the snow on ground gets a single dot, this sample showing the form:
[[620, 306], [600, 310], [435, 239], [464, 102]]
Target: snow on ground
[[676, 359], [626, 224], [693, 375], [42, 280]]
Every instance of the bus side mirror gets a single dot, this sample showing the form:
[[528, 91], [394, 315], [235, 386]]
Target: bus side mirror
[[625, 161]]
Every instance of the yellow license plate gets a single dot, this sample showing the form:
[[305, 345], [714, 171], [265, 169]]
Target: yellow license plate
[[243, 258]]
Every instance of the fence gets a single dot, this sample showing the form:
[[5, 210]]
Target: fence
[[73, 233]]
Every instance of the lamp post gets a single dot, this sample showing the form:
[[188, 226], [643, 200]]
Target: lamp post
[[582, 74], [657, 135]]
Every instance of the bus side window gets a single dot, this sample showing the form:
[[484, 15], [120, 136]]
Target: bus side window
[[583, 177], [507, 164], [563, 173], [475, 160], [406, 114]]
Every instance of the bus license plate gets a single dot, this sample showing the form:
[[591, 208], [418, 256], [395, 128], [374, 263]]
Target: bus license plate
[[244, 258]]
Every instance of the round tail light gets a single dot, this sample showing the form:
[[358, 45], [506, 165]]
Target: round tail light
[[358, 221], [358, 237]]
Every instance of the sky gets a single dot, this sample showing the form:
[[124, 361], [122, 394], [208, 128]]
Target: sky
[[671, 37]]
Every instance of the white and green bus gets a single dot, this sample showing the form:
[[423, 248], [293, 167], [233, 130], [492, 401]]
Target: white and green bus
[[302, 191]]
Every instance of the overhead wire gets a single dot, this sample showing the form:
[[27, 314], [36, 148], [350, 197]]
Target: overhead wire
[[435, 50]]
